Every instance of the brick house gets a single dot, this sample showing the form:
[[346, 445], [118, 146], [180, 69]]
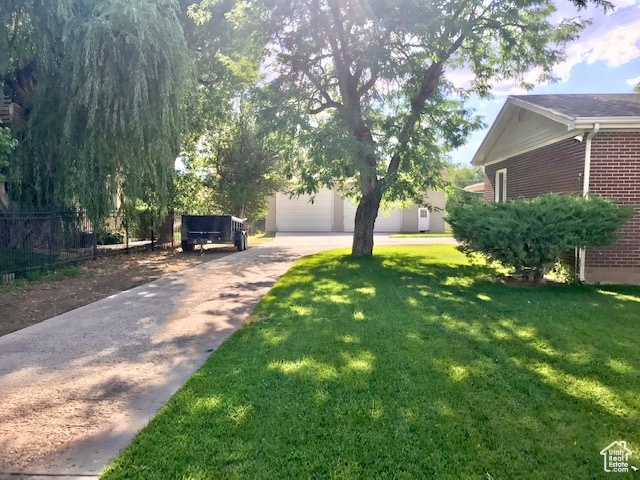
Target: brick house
[[571, 144]]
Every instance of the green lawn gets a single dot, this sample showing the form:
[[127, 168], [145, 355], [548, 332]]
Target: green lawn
[[260, 238], [421, 235], [410, 364]]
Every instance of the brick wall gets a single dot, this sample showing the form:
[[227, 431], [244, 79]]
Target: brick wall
[[615, 173], [554, 168]]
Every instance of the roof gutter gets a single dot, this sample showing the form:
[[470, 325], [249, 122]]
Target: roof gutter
[[609, 122], [585, 189]]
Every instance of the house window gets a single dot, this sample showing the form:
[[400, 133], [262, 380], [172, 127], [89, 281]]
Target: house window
[[501, 186]]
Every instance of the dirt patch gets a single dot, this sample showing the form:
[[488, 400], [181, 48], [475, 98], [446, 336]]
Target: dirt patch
[[22, 305]]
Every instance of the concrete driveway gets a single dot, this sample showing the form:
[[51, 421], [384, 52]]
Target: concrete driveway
[[75, 389]]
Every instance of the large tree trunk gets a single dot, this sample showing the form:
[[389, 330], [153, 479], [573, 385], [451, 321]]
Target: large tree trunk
[[370, 187], [366, 215]]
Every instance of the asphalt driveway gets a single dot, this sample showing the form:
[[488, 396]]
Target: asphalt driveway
[[75, 389]]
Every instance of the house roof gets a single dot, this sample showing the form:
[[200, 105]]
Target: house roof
[[569, 112], [475, 187], [587, 105]]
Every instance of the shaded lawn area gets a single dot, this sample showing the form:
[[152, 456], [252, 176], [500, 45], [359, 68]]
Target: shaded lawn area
[[411, 364]]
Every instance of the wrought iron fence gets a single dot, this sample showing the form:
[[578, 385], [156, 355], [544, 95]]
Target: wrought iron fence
[[32, 240]]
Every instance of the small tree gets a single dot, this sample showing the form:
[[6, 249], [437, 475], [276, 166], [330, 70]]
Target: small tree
[[246, 171], [460, 177], [232, 171], [191, 193], [531, 235]]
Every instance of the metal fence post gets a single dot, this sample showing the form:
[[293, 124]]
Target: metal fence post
[[51, 245], [126, 233], [173, 222], [95, 244], [153, 247]]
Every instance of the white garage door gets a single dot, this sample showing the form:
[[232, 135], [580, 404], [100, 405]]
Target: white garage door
[[387, 221], [298, 214]]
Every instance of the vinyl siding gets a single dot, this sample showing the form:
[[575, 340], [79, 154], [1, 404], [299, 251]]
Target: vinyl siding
[[520, 136]]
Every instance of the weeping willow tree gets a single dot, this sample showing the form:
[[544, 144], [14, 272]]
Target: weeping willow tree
[[106, 107]]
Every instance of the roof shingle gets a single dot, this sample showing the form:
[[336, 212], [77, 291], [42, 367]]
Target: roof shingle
[[587, 105]]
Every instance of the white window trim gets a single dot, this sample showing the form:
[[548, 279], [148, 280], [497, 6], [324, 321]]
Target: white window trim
[[501, 190]]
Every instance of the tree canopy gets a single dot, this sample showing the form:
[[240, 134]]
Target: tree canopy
[[227, 70], [104, 83], [233, 171], [355, 92], [362, 85]]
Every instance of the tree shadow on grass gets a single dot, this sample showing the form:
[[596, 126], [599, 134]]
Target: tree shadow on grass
[[82, 385], [405, 368]]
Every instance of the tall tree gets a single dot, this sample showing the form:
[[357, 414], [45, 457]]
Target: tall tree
[[233, 170], [246, 169], [362, 83], [104, 83], [226, 163], [226, 66]]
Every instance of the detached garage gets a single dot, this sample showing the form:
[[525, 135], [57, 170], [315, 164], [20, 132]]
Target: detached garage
[[299, 214], [389, 221], [326, 211]]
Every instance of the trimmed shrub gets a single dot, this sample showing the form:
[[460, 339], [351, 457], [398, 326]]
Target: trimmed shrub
[[531, 235]]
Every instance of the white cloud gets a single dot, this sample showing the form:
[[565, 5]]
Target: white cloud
[[633, 81], [482, 104], [624, 4], [508, 87], [620, 46], [612, 38], [513, 87], [461, 78]]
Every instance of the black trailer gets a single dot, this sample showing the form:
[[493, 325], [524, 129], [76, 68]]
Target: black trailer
[[204, 229]]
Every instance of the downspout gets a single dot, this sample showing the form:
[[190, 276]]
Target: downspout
[[585, 190]]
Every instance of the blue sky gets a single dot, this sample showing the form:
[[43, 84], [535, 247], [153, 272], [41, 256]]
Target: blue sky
[[605, 59]]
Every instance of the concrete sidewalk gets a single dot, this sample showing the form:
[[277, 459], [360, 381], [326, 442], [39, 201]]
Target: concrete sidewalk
[[75, 389]]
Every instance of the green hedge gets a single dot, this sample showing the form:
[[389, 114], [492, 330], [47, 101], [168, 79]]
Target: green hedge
[[531, 235]]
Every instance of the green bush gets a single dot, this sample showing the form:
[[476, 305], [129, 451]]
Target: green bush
[[7, 145], [531, 235]]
